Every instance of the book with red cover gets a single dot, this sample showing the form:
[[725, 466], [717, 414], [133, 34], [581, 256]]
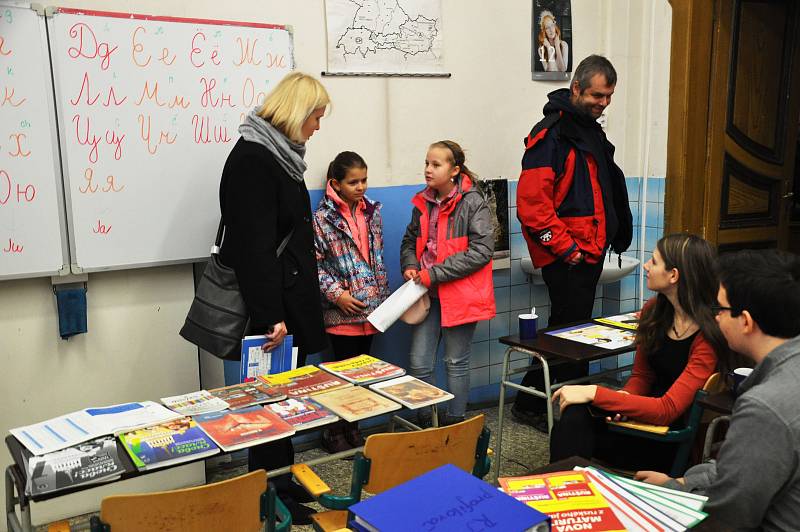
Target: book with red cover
[[247, 394], [303, 412], [305, 381], [245, 427]]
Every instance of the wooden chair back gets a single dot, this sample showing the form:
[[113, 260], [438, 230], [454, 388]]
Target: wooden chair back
[[233, 504], [399, 457]]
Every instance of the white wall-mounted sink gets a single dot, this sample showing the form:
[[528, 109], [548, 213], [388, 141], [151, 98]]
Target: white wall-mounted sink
[[611, 269]]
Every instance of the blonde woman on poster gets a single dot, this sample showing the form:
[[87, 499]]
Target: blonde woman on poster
[[553, 51]]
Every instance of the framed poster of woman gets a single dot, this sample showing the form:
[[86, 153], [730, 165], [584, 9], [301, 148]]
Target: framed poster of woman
[[551, 40]]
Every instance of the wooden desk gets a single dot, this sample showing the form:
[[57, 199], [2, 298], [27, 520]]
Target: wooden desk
[[547, 349]]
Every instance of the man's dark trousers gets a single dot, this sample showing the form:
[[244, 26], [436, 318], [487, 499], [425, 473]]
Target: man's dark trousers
[[571, 291]]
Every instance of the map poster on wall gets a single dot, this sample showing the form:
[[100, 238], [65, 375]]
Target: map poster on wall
[[384, 37], [551, 40]]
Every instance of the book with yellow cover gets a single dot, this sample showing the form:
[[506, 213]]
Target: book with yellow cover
[[363, 369], [568, 497], [644, 427], [356, 403], [305, 381], [626, 321]]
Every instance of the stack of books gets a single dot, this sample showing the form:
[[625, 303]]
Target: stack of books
[[363, 369], [601, 501]]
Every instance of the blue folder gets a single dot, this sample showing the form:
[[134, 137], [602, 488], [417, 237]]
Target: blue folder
[[447, 499]]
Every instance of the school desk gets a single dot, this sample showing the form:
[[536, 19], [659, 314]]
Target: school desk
[[546, 350]]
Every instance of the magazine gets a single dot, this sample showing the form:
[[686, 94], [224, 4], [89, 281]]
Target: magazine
[[411, 392], [168, 443], [303, 413], [363, 369], [84, 425], [190, 404], [256, 362], [597, 335], [246, 427], [568, 497], [89, 462], [308, 380], [356, 403], [248, 394]]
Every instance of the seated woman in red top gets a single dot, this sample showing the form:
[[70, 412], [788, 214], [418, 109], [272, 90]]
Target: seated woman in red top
[[678, 344]]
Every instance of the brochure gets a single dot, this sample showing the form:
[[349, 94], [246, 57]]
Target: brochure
[[256, 362], [597, 335]]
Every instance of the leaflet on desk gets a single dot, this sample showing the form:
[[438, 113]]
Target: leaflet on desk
[[70, 429]]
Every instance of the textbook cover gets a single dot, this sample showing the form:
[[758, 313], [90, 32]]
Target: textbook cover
[[166, 444], [89, 462], [190, 404], [568, 497], [363, 369], [308, 380], [256, 362], [303, 413], [356, 403], [411, 392], [237, 429], [247, 394], [446, 499]]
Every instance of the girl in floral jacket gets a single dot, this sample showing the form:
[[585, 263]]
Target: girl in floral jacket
[[352, 275]]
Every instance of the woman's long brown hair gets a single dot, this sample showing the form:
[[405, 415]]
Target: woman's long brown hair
[[698, 285]]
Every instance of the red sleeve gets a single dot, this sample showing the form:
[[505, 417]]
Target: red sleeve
[[536, 198], [669, 407], [642, 375]]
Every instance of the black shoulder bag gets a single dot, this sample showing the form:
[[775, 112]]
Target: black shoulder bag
[[218, 318]]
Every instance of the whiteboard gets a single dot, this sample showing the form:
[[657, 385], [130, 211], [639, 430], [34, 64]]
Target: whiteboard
[[149, 109], [32, 228]]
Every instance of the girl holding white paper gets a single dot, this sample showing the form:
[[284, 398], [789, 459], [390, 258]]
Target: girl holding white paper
[[352, 276], [448, 247]]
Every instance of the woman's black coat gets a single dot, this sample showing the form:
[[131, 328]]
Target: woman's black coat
[[260, 204]]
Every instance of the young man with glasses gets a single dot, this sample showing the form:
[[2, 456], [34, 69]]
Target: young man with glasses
[[755, 481]]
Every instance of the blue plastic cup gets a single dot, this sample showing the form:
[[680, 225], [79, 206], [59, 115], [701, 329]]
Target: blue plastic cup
[[527, 326], [737, 377]]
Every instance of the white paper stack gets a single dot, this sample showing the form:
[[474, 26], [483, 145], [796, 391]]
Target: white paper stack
[[401, 299]]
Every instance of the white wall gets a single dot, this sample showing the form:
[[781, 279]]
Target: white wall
[[132, 350]]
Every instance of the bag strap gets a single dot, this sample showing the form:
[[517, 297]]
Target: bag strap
[[215, 249]]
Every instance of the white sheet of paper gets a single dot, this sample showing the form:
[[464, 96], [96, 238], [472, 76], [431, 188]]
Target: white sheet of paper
[[401, 299]]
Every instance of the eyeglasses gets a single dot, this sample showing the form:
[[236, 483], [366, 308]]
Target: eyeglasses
[[716, 309]]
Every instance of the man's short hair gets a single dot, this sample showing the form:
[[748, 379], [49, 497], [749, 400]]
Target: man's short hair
[[594, 64], [766, 283]]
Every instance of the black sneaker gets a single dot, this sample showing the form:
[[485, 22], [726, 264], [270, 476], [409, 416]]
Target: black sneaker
[[301, 515], [534, 419]]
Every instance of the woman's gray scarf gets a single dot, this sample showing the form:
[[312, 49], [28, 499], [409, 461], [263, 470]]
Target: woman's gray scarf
[[288, 154]]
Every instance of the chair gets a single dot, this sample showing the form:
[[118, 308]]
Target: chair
[[685, 436], [243, 503], [393, 458]]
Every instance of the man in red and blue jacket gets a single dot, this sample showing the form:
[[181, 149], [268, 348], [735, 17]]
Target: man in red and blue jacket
[[572, 203]]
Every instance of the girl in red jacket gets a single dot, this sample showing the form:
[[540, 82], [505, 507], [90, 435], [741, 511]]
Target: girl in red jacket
[[678, 343], [448, 247]]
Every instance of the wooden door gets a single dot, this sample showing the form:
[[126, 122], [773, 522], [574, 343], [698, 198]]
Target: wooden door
[[748, 105]]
